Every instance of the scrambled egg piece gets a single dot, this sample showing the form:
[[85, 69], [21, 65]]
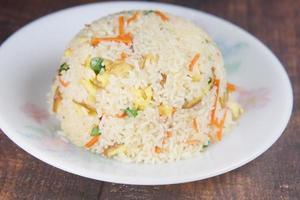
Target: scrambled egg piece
[[196, 75], [148, 59], [85, 107], [119, 68], [88, 85], [87, 61], [143, 97], [91, 89], [114, 150], [102, 79], [68, 52], [83, 39], [165, 110], [236, 110]]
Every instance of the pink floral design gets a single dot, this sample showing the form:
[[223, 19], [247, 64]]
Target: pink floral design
[[253, 98], [36, 113], [55, 144]]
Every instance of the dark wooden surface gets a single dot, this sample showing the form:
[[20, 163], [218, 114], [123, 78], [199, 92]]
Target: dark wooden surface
[[274, 175]]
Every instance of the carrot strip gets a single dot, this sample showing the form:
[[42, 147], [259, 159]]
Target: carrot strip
[[167, 135], [231, 87], [221, 126], [211, 138], [121, 25], [95, 41], [92, 141], [158, 149], [125, 38], [121, 115], [124, 56], [192, 142], [194, 125], [163, 80], [174, 110], [162, 15], [63, 83], [212, 118], [193, 62], [132, 18]]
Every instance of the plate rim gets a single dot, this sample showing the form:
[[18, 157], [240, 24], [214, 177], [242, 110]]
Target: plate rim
[[11, 134]]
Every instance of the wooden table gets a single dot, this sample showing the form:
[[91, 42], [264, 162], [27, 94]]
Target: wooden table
[[274, 175]]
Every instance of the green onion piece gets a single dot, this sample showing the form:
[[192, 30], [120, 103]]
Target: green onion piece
[[209, 80], [131, 112], [148, 12], [97, 65], [95, 131], [206, 145], [63, 67]]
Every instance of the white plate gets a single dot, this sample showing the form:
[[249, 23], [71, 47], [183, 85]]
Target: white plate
[[29, 59]]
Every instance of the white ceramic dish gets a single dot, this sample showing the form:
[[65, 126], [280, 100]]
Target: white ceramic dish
[[29, 59]]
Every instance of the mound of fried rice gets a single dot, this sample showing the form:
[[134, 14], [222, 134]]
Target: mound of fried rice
[[143, 86]]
